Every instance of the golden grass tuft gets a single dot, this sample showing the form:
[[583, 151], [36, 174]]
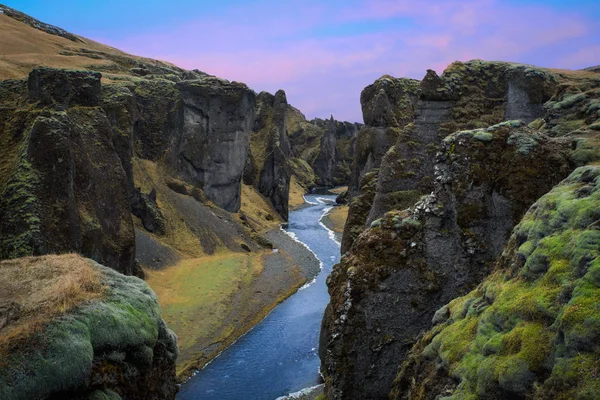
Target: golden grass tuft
[[44, 287], [257, 208], [338, 216], [296, 194]]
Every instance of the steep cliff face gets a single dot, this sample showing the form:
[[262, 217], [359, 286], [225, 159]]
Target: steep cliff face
[[322, 150], [530, 330], [398, 273], [214, 139], [336, 152], [482, 178], [467, 96], [82, 331], [65, 188], [387, 105], [268, 166]]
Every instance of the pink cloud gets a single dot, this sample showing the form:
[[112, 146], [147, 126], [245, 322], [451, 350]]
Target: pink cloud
[[323, 73]]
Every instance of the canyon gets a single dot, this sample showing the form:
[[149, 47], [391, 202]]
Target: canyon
[[141, 207]]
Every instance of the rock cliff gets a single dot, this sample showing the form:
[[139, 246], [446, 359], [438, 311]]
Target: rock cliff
[[268, 166], [322, 150], [65, 188], [412, 261], [439, 209], [530, 330]]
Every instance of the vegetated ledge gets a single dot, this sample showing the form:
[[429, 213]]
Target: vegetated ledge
[[72, 328], [532, 328]]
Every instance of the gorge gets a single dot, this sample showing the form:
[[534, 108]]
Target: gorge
[[163, 235]]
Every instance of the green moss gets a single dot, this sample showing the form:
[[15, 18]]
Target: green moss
[[564, 127], [127, 320], [523, 142], [21, 228], [533, 329], [569, 101]]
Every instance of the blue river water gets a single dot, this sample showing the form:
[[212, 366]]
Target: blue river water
[[279, 356]]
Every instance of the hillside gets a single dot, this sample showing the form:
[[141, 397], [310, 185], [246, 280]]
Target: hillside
[[109, 155]]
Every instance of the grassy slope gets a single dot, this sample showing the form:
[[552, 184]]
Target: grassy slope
[[23, 48]]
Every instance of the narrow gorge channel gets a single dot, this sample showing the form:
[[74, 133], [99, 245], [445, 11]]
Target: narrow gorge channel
[[280, 355]]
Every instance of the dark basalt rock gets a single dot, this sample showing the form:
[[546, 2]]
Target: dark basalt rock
[[67, 189], [528, 329], [410, 263], [64, 89], [144, 207], [275, 173], [217, 118]]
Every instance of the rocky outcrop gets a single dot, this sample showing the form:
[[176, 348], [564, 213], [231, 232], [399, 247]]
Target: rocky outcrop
[[387, 105], [66, 189], [213, 144], [530, 330], [468, 95], [268, 163], [336, 152], [410, 263], [322, 150], [325, 162], [359, 210], [114, 346]]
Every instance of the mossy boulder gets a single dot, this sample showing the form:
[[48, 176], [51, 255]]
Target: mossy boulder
[[111, 347], [530, 330]]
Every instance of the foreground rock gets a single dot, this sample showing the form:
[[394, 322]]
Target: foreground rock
[[531, 329], [410, 263], [95, 334]]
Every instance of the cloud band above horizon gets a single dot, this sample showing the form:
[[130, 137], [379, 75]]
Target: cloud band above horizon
[[324, 54]]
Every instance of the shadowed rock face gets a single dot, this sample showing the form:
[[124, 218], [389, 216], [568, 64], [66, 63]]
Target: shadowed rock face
[[325, 163], [408, 264], [67, 190], [268, 163], [467, 96], [275, 174], [213, 144], [530, 329], [336, 152], [68, 175], [387, 105]]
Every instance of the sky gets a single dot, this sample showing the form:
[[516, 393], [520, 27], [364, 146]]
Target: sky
[[324, 52]]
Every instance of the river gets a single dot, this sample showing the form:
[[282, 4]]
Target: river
[[279, 355]]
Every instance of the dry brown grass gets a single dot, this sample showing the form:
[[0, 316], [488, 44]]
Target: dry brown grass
[[44, 287], [256, 208], [296, 194], [339, 189], [22, 48], [338, 216]]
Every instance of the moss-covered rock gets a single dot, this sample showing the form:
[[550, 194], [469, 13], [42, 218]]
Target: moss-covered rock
[[67, 189], [409, 263], [530, 330], [111, 347], [268, 165]]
